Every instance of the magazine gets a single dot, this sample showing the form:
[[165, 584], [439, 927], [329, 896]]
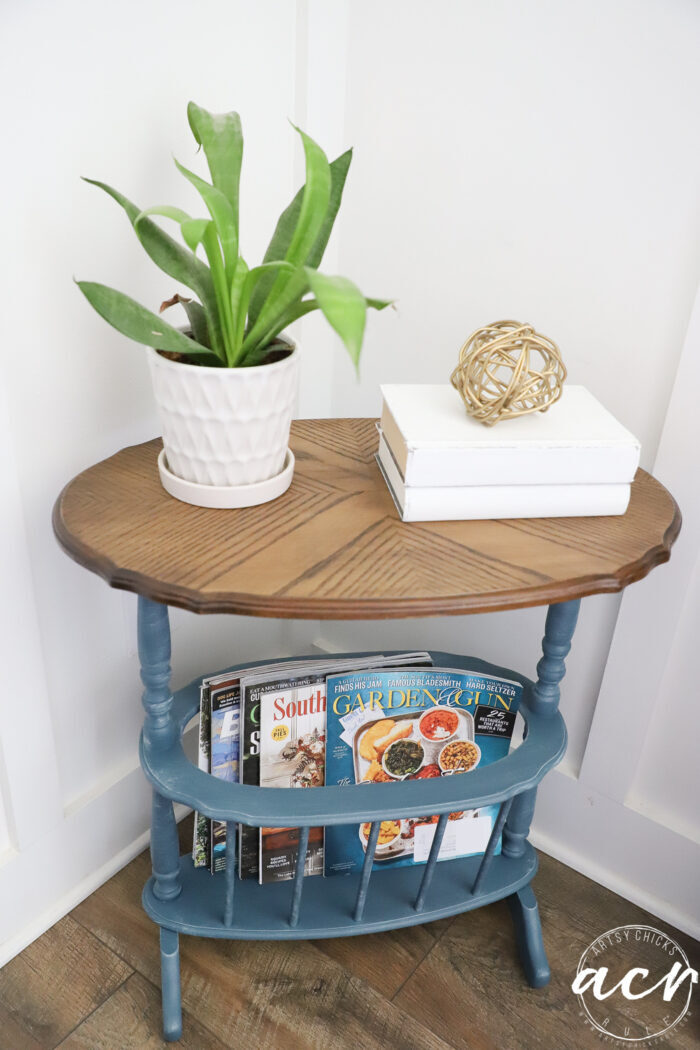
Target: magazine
[[255, 688], [201, 849], [225, 736], [298, 764], [386, 726], [249, 768], [222, 716], [201, 846], [292, 754]]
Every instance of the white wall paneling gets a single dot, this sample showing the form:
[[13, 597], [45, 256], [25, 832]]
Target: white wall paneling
[[510, 160], [637, 826]]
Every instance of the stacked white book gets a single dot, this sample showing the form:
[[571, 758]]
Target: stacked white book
[[440, 464]]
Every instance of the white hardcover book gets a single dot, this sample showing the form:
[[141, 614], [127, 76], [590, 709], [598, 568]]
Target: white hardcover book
[[435, 443], [472, 502]]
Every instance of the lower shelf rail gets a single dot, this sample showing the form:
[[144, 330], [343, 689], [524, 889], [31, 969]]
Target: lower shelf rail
[[398, 898]]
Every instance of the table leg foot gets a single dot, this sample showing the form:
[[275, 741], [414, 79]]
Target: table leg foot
[[528, 934], [170, 985]]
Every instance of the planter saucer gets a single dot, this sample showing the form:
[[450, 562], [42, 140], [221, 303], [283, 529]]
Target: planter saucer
[[227, 497]]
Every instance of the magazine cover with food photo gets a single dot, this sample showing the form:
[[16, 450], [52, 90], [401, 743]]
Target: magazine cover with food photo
[[385, 727]]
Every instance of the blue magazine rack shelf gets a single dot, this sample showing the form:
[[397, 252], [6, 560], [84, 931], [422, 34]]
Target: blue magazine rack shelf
[[294, 558]]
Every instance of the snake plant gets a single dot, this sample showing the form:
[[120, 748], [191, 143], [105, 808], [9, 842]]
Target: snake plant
[[238, 311]]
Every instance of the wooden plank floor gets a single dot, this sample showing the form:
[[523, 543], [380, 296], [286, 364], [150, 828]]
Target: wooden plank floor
[[92, 981]]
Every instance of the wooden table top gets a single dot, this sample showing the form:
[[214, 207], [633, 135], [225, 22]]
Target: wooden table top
[[333, 547]]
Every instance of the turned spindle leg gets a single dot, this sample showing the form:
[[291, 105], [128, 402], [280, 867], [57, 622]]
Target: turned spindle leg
[[159, 732], [558, 632]]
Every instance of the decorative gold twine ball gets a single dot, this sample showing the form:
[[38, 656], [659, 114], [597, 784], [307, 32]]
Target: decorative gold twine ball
[[507, 369]]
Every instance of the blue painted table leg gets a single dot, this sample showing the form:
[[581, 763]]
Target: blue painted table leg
[[528, 935], [170, 985], [165, 849], [558, 632], [518, 823], [159, 732]]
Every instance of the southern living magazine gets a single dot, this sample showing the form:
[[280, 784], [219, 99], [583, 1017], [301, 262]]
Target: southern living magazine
[[386, 726], [292, 754]]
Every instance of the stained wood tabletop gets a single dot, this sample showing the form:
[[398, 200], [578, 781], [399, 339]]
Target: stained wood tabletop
[[334, 547]]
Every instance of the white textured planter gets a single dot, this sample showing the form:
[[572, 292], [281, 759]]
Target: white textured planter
[[225, 426]]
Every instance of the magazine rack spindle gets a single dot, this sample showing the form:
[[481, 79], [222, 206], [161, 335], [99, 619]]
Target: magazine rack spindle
[[333, 548]]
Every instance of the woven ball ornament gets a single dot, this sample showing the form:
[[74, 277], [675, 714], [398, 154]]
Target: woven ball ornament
[[507, 369]]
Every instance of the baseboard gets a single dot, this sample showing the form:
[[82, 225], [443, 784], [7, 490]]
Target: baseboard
[[61, 907], [642, 860], [620, 885]]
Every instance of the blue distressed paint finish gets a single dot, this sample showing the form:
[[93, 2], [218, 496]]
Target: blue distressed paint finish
[[558, 631], [528, 934], [182, 899], [165, 849], [170, 985], [367, 869], [153, 627], [496, 833], [299, 876], [160, 731], [231, 871], [518, 824], [262, 912], [432, 861]]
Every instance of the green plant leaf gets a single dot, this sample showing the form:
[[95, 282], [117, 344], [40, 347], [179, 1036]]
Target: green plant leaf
[[136, 322], [239, 305], [339, 173], [207, 234], [194, 231], [221, 137], [286, 224], [344, 307], [220, 209], [299, 309], [166, 210], [252, 279], [163, 249], [173, 258], [314, 202], [277, 307], [314, 205]]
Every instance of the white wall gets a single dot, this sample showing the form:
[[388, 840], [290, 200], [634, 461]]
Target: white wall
[[536, 161], [106, 97]]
